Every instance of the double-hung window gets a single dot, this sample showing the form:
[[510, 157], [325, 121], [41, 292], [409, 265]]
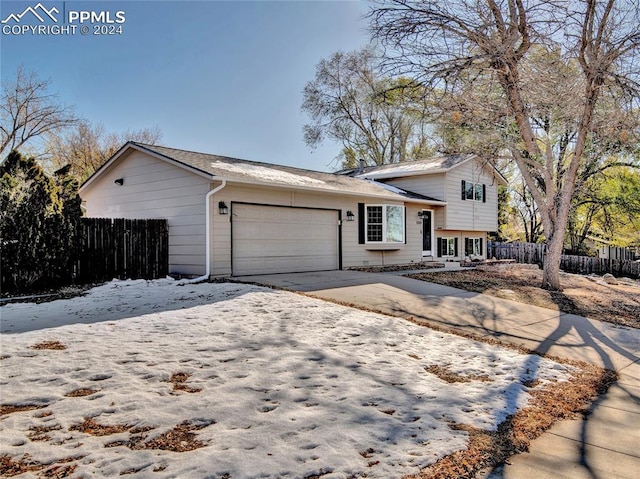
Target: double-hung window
[[385, 224]]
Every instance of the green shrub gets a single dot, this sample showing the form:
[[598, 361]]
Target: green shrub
[[39, 225]]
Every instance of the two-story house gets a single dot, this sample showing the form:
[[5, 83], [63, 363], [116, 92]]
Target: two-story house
[[468, 187], [236, 217]]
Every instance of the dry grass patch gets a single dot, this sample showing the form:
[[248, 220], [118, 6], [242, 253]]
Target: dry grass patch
[[582, 295], [179, 379], [53, 345], [547, 405], [62, 468], [10, 467], [11, 408], [91, 427], [59, 472], [531, 383], [80, 392], [41, 433], [449, 376], [179, 439], [397, 267]]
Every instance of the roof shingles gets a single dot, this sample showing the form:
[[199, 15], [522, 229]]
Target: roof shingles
[[253, 172]]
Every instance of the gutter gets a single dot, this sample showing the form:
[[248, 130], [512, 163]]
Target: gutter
[[207, 207]]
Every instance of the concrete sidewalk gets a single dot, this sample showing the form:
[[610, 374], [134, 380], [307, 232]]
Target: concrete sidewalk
[[604, 445]]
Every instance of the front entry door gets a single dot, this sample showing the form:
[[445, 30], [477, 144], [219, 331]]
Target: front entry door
[[427, 233]]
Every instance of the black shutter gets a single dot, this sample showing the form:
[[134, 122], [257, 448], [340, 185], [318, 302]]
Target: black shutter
[[464, 190], [455, 247], [481, 248], [405, 224], [361, 224], [468, 246], [484, 193], [439, 247]]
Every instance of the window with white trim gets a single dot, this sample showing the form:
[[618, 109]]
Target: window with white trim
[[473, 247], [385, 224], [447, 247], [474, 191]]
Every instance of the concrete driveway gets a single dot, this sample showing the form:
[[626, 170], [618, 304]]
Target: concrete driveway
[[603, 445]]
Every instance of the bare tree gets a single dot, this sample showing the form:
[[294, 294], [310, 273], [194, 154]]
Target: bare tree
[[527, 211], [441, 42], [89, 146], [28, 110], [378, 119]]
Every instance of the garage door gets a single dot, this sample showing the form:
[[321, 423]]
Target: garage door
[[274, 239]]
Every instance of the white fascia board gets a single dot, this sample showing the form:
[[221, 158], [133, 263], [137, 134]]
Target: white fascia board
[[96, 174], [390, 175], [425, 202], [177, 163], [129, 146], [401, 174], [386, 176], [388, 196], [331, 191]]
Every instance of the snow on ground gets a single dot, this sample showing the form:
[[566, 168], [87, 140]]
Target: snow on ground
[[290, 386]]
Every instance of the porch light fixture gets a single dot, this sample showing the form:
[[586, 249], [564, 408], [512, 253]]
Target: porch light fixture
[[119, 181], [350, 215], [224, 209], [420, 214]]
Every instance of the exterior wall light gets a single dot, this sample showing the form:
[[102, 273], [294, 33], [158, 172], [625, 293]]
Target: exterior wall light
[[223, 208], [350, 215], [119, 181], [420, 214]]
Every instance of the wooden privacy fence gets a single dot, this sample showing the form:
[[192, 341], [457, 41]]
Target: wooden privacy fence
[[122, 248], [529, 253], [534, 253], [600, 266]]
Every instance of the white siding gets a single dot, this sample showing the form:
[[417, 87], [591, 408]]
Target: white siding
[[432, 186], [470, 215], [155, 189], [458, 214], [353, 254]]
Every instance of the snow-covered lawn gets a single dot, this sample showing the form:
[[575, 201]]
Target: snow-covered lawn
[[275, 385]]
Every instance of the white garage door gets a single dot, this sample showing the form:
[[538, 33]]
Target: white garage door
[[273, 239]]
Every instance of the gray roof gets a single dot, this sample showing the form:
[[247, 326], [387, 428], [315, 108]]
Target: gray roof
[[427, 166], [440, 164], [257, 173]]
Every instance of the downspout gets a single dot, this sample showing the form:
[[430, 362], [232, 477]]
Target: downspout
[[207, 241]]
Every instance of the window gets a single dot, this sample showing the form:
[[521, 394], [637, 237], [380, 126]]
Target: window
[[385, 224], [374, 223], [468, 190], [473, 191], [473, 247], [479, 194], [447, 247]]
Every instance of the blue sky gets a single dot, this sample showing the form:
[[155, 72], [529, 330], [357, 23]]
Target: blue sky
[[218, 77]]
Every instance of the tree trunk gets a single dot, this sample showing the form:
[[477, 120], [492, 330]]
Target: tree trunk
[[551, 267]]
